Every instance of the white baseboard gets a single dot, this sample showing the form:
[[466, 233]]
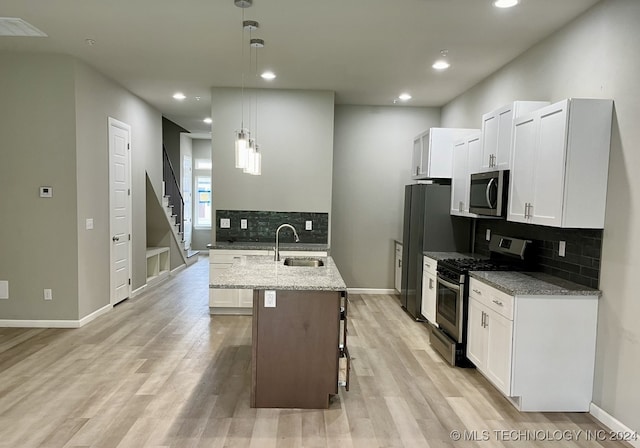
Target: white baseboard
[[138, 291], [178, 269], [613, 423], [18, 323], [370, 291]]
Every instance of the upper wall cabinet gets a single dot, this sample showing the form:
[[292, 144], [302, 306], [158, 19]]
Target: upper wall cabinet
[[433, 152], [497, 136], [465, 158], [560, 164]]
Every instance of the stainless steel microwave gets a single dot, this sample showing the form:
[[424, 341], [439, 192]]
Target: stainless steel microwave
[[488, 193]]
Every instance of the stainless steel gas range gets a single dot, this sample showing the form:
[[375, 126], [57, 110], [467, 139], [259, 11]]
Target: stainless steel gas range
[[449, 337]]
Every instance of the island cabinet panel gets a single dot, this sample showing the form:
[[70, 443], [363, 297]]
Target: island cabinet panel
[[295, 349]]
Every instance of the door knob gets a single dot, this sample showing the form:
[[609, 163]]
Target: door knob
[[115, 238]]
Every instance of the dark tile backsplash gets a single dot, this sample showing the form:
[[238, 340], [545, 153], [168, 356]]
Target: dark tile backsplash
[[262, 225], [581, 263]]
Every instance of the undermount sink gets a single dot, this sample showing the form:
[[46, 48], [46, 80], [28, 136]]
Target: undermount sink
[[307, 262]]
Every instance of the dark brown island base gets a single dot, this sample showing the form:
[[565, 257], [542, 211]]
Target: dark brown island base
[[299, 333]]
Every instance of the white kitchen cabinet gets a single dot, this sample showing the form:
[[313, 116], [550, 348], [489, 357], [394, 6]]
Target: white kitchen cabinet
[[537, 350], [429, 292], [465, 153], [398, 267], [497, 138], [560, 165], [433, 152]]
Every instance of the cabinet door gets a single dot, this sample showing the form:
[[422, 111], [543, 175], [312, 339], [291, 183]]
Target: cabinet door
[[522, 172], [223, 298], [476, 334], [428, 309], [503, 142], [416, 160], [459, 190], [490, 127], [497, 367], [549, 168], [475, 155], [245, 298], [427, 159]]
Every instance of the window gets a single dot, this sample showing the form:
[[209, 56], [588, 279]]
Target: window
[[203, 201]]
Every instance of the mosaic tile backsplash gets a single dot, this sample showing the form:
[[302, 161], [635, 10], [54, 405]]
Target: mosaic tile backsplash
[[262, 225], [581, 263]]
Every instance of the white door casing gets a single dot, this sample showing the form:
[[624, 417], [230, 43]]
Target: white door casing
[[187, 182], [120, 210]]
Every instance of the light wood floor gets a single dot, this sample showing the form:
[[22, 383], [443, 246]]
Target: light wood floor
[[158, 371]]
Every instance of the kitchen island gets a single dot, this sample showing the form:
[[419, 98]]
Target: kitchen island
[[298, 331]]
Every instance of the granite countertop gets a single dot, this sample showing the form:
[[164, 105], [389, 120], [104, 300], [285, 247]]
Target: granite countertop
[[445, 255], [255, 245], [262, 272], [532, 283]]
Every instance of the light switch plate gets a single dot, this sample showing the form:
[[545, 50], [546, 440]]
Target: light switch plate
[[48, 294], [269, 299], [243, 223], [308, 225], [225, 223], [4, 289], [89, 224], [562, 248]]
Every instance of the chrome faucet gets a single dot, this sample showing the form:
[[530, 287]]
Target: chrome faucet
[[277, 248]]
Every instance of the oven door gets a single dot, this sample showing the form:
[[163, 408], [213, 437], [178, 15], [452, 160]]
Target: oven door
[[449, 308]]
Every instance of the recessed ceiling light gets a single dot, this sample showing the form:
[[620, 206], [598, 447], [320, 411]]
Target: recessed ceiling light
[[505, 3], [441, 65], [268, 76], [404, 97], [179, 96], [208, 120]]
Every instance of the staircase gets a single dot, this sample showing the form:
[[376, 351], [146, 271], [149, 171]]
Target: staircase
[[173, 205]]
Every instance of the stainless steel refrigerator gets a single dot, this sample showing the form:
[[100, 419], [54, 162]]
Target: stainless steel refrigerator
[[428, 226]]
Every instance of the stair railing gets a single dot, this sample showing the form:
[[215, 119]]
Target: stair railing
[[172, 189]]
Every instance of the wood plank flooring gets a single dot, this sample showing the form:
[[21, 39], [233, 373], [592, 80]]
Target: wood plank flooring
[[159, 371]]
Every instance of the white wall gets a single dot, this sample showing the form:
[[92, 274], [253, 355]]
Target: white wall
[[38, 237], [97, 99], [295, 133], [595, 56], [371, 166]]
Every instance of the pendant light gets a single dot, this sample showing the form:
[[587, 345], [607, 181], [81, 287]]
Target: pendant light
[[254, 162], [243, 135]]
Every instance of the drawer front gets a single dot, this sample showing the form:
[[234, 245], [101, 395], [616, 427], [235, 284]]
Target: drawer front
[[223, 258], [429, 265], [498, 301]]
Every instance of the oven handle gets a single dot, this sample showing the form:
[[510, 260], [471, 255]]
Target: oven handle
[[487, 192], [448, 284]]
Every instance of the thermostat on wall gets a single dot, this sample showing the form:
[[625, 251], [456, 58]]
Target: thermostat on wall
[[46, 192]]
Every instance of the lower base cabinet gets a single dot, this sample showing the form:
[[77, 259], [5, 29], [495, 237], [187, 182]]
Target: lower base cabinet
[[538, 350], [297, 349]]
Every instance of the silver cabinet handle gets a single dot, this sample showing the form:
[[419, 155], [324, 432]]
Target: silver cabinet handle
[[399, 263], [430, 283], [417, 170], [115, 239], [428, 266], [482, 320], [460, 206], [530, 210], [497, 302], [486, 320], [477, 291]]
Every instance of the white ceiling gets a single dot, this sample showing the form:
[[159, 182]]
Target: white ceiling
[[367, 51]]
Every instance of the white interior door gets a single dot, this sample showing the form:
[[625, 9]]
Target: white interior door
[[187, 182], [120, 209]]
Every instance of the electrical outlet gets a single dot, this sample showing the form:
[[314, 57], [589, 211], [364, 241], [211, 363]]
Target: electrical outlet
[[48, 294], [308, 225], [269, 299], [225, 223], [4, 289], [89, 224], [243, 223], [488, 235], [562, 248]]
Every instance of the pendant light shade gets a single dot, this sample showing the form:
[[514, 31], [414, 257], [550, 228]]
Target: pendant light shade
[[251, 152], [242, 148]]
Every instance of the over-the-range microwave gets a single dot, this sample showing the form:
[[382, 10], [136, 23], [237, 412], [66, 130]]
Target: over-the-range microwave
[[488, 193]]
